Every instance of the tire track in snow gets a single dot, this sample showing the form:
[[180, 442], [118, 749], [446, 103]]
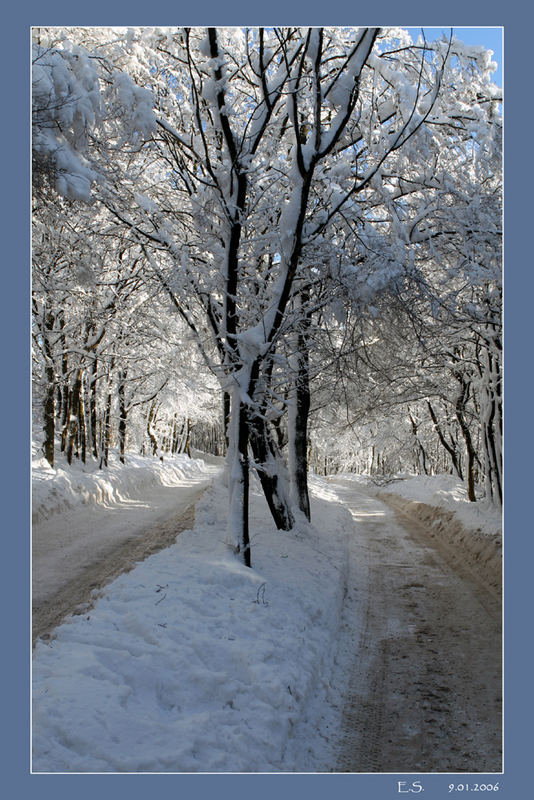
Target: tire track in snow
[[424, 692]]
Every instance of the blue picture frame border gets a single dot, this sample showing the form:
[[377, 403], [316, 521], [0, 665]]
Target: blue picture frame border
[[15, 338]]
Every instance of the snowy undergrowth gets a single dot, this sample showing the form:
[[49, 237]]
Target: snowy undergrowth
[[193, 662], [443, 491], [66, 487]]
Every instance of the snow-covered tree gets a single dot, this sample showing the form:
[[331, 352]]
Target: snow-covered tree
[[286, 163], [75, 95]]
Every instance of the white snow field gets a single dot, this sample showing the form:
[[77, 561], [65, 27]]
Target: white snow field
[[193, 662]]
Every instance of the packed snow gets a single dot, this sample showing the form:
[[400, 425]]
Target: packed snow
[[193, 662]]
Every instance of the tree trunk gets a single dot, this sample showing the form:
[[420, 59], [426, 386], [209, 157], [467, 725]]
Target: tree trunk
[[267, 463], [243, 457], [123, 414], [73, 424], [448, 447], [65, 416], [466, 433], [226, 420], [238, 522], [49, 409], [106, 429], [298, 412], [175, 438], [64, 409], [187, 445], [421, 452], [268, 459], [150, 419], [492, 420], [471, 457], [49, 417], [495, 460], [82, 429], [92, 409]]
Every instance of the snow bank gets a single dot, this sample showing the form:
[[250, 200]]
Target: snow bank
[[439, 491], [449, 493], [65, 487], [193, 662], [470, 532]]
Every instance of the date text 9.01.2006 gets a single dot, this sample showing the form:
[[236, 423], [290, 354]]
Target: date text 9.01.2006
[[473, 787]]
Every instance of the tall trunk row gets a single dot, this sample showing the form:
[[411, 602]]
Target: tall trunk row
[[88, 412]]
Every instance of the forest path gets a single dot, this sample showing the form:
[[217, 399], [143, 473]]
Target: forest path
[[76, 553], [424, 687]]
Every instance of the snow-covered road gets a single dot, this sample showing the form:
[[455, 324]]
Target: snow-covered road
[[419, 660], [80, 550], [361, 643]]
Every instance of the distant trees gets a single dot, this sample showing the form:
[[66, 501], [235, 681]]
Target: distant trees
[[103, 346], [420, 340], [299, 198], [426, 350]]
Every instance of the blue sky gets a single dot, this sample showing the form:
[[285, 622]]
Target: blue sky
[[491, 38]]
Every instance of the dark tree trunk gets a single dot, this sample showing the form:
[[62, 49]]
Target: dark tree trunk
[[498, 481], [226, 420], [466, 433], [281, 435], [238, 521], [187, 445], [298, 438], [181, 438], [494, 421], [301, 457], [150, 419], [82, 429], [471, 457], [174, 439], [65, 416], [92, 409], [49, 409], [123, 415], [492, 450], [265, 458], [421, 450], [448, 447], [75, 425], [106, 429], [243, 460], [49, 418], [64, 409]]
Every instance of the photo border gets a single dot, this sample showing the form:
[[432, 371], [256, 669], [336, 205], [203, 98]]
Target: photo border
[[16, 778]]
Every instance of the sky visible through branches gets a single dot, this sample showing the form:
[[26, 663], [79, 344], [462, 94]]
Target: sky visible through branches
[[489, 37]]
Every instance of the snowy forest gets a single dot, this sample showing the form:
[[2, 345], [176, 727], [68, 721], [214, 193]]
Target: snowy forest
[[266, 401], [278, 245]]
